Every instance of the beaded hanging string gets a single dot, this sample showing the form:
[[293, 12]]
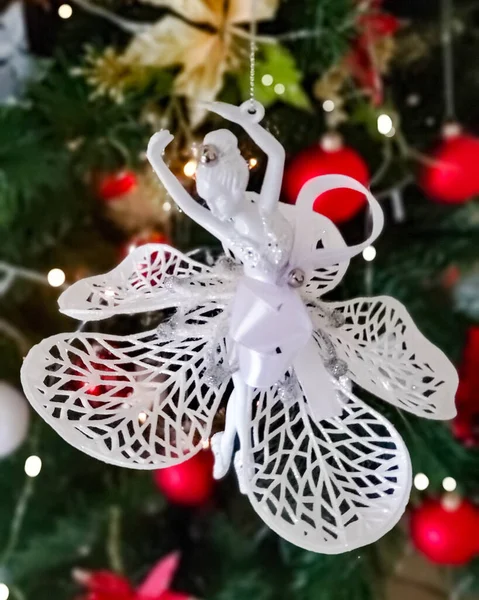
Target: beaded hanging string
[[252, 57]]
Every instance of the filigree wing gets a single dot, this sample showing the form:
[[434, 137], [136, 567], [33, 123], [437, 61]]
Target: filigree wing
[[140, 402], [388, 356], [140, 283], [320, 232], [328, 486]]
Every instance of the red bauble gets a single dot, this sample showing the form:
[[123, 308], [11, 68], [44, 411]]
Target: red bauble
[[190, 483], [465, 425], [116, 185], [119, 383], [453, 177], [145, 237], [446, 531], [328, 157]]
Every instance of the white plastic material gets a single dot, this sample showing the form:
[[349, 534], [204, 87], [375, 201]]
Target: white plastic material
[[320, 467], [14, 419], [327, 486], [388, 356], [136, 285], [16, 65], [134, 402]]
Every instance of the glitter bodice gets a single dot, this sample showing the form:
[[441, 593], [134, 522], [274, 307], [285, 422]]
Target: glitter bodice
[[268, 257]]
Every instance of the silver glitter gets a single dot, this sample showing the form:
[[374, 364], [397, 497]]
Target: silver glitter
[[288, 390], [169, 283], [337, 319], [329, 346], [215, 375], [166, 330], [172, 283], [337, 367], [228, 264], [271, 255], [183, 282]]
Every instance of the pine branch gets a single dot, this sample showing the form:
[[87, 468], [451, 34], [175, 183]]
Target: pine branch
[[67, 543], [332, 23]]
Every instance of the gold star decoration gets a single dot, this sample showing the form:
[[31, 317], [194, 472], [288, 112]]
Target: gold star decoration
[[107, 73]]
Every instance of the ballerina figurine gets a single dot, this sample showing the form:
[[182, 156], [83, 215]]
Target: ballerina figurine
[[255, 231], [320, 467]]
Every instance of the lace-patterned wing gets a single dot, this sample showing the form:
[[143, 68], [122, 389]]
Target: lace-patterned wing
[[134, 401], [142, 282], [387, 355], [329, 486], [324, 234]]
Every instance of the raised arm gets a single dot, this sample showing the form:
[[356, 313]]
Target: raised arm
[[273, 178], [188, 205]]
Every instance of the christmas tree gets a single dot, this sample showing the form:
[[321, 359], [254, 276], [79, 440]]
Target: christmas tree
[[384, 92]]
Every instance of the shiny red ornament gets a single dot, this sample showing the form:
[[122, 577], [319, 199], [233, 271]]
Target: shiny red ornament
[[328, 157], [119, 383], [446, 530], [116, 185], [465, 425], [190, 483], [452, 177]]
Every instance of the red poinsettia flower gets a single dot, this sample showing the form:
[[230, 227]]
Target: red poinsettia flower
[[105, 585], [374, 25]]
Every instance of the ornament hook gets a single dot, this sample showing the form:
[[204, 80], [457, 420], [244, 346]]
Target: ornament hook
[[253, 109]]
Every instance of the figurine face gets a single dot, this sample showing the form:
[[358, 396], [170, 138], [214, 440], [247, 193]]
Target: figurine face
[[222, 174]]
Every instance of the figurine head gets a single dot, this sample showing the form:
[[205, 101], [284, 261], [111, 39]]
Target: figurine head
[[222, 174]]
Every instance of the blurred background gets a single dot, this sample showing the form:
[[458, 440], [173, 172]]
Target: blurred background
[[384, 91]]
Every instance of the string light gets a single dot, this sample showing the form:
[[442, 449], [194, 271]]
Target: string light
[[421, 481], [449, 484], [4, 591], [413, 100], [142, 417], [167, 206], [391, 133], [328, 106], [253, 162], [279, 89], [65, 11], [369, 253], [385, 124], [267, 80], [33, 466], [190, 168], [56, 277]]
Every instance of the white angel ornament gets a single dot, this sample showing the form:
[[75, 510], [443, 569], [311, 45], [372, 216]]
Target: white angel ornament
[[319, 466]]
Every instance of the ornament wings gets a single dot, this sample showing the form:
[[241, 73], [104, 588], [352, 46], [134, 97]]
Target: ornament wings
[[150, 278], [138, 401], [388, 356], [327, 486]]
